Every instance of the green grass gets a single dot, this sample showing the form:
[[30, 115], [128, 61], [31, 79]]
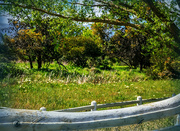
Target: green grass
[[56, 95], [60, 89]]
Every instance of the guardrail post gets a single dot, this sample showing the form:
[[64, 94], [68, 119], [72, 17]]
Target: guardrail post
[[139, 98], [178, 120], [178, 115], [93, 103], [42, 109]]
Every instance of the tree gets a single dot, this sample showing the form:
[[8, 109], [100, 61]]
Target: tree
[[27, 45], [157, 19], [130, 49], [6, 54], [37, 41], [78, 49], [54, 30], [25, 42], [103, 31]]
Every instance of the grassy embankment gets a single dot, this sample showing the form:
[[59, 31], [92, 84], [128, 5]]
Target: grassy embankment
[[56, 89]]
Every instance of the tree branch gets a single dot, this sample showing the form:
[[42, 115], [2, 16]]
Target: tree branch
[[178, 2], [103, 20], [124, 7], [87, 5], [172, 27]]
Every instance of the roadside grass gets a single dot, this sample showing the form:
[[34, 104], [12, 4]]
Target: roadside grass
[[54, 95], [60, 89]]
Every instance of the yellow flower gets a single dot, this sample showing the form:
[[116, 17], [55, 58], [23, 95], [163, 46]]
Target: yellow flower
[[15, 22], [12, 40]]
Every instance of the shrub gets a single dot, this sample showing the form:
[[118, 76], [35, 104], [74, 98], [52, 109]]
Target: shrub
[[77, 50], [165, 68], [10, 69], [104, 64]]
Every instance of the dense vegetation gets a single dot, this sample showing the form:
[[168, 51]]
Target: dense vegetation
[[130, 49], [145, 33]]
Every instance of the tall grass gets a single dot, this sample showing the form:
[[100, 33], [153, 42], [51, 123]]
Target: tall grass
[[84, 75], [59, 89]]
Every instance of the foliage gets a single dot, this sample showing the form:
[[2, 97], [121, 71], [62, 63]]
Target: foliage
[[99, 62], [37, 41], [155, 19], [103, 31], [27, 44], [96, 32], [6, 54], [130, 49], [78, 49], [165, 66], [7, 68]]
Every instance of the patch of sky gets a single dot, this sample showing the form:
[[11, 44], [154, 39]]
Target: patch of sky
[[172, 4], [4, 25]]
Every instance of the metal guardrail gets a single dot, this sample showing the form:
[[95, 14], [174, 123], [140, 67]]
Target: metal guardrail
[[95, 106], [41, 120]]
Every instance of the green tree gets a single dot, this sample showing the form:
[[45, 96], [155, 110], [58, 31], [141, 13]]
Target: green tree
[[40, 38], [130, 49], [157, 19], [53, 29], [27, 45], [103, 31], [78, 49]]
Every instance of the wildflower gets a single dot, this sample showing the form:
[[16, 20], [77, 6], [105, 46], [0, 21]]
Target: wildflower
[[15, 22], [12, 40]]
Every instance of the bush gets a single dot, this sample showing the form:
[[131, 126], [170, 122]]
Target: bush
[[9, 69], [78, 50], [168, 68], [6, 65], [99, 62], [6, 55]]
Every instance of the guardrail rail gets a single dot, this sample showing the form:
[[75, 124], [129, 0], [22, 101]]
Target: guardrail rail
[[70, 119]]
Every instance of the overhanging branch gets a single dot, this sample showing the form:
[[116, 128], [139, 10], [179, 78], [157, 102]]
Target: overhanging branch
[[103, 20], [172, 27]]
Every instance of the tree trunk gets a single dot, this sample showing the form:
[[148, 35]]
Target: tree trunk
[[30, 61], [141, 66], [39, 60]]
